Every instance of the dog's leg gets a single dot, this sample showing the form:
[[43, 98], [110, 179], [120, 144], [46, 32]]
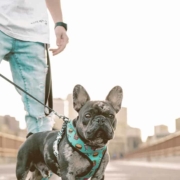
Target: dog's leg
[[99, 175], [35, 175], [21, 174], [67, 177], [21, 171], [102, 178], [22, 167], [23, 163]]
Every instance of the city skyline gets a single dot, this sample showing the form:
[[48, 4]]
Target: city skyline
[[132, 44], [65, 107]]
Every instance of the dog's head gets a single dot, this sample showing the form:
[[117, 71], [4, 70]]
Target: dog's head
[[96, 121]]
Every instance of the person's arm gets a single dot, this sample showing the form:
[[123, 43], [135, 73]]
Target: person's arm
[[54, 7]]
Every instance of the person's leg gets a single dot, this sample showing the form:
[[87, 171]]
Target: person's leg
[[6, 44], [28, 65]]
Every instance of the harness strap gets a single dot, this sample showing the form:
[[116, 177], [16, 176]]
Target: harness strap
[[94, 155]]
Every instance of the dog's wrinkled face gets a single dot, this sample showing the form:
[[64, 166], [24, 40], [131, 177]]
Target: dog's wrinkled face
[[96, 121]]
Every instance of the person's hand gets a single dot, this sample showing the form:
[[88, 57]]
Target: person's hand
[[61, 40]]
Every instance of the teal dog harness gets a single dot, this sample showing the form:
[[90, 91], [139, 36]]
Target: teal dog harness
[[94, 155]]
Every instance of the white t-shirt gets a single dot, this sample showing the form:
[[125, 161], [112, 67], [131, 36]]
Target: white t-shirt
[[25, 20]]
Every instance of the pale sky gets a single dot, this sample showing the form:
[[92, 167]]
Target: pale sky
[[134, 44]]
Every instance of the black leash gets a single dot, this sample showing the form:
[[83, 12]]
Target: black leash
[[48, 91], [25, 91], [60, 116]]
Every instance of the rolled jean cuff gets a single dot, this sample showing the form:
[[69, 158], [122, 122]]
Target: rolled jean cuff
[[40, 124]]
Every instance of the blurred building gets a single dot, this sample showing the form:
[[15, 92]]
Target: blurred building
[[61, 107], [10, 125], [118, 146], [178, 124], [161, 131], [10, 122], [72, 113], [133, 138]]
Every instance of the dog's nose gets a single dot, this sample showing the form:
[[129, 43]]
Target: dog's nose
[[100, 120]]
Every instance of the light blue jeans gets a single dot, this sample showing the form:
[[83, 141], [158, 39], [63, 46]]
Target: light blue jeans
[[28, 65]]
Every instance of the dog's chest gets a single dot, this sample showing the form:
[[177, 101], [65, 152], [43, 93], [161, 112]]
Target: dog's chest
[[76, 162]]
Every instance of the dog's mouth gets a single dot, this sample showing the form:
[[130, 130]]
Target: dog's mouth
[[98, 139], [100, 134]]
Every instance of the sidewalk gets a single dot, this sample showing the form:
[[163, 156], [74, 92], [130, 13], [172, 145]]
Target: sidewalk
[[161, 165]]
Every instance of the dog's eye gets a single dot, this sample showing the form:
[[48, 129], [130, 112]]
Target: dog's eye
[[111, 116], [88, 115]]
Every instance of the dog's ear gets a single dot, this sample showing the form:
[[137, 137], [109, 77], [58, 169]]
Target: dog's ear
[[80, 97], [115, 97]]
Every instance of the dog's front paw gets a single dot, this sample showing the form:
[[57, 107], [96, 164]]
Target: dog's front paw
[[98, 177]]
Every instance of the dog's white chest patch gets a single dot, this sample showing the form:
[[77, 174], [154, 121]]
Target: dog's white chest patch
[[68, 152], [77, 163]]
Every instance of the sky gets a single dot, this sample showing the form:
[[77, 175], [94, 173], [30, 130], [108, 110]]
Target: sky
[[134, 44]]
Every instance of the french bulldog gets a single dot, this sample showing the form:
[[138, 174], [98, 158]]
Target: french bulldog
[[94, 125]]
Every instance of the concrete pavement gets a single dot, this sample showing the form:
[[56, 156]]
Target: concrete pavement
[[121, 170]]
